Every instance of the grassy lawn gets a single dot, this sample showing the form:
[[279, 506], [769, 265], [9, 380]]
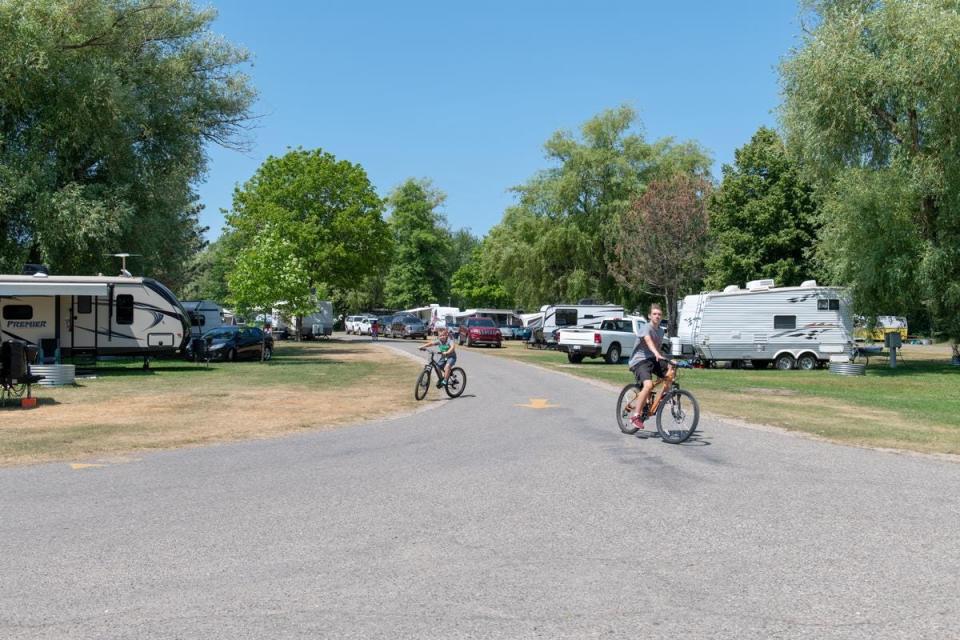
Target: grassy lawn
[[124, 409], [916, 406]]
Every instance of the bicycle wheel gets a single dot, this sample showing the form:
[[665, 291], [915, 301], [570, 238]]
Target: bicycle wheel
[[423, 385], [625, 408], [677, 416], [456, 383]]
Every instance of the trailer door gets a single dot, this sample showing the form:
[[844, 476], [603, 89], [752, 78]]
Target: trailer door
[[78, 316]]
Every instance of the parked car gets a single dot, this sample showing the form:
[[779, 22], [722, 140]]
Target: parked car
[[385, 322], [352, 324], [522, 333], [407, 327], [363, 328], [479, 331], [231, 343], [612, 340]]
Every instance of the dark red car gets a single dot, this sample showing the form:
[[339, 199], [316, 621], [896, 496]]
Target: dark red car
[[479, 331]]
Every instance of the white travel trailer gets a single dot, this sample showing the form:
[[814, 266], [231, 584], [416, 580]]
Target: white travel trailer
[[317, 324], [92, 315], [764, 324], [204, 315], [557, 316]]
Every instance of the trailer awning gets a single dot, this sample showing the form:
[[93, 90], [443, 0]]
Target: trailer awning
[[22, 289]]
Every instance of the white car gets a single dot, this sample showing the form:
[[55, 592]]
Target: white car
[[352, 324], [363, 326]]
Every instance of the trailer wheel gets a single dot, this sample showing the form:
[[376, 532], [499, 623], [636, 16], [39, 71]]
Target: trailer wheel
[[784, 362], [807, 362], [613, 354]]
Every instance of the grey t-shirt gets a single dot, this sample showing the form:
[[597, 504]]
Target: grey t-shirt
[[640, 351]]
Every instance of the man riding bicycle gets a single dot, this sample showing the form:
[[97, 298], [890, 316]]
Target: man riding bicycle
[[448, 351], [646, 361]]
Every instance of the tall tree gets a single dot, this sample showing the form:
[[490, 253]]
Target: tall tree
[[662, 239], [559, 237], [762, 218], [269, 271], [463, 244], [105, 108], [475, 284], [326, 208], [419, 271], [207, 270], [871, 102]]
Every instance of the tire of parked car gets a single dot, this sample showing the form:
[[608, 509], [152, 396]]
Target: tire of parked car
[[231, 355], [575, 358], [613, 353]]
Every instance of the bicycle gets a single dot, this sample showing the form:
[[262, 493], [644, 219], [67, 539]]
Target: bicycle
[[676, 409], [454, 385]]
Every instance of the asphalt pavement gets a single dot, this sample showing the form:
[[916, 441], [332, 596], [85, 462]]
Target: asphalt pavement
[[516, 511]]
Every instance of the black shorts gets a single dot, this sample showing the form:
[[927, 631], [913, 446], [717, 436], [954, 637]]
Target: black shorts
[[645, 369]]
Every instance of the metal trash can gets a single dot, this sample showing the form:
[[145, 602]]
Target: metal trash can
[[54, 375], [848, 368]]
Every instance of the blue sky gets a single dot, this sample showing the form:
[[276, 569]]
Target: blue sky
[[466, 93]]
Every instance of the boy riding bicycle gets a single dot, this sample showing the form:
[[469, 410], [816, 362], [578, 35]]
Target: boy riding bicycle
[[646, 361], [448, 351]]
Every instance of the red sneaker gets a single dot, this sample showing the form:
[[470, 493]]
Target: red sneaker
[[637, 421]]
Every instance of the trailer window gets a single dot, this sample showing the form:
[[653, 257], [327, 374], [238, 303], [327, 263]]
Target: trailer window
[[18, 312], [124, 309], [566, 317], [784, 322], [84, 304], [831, 305]]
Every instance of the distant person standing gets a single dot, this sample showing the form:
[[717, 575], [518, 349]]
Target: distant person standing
[[374, 329]]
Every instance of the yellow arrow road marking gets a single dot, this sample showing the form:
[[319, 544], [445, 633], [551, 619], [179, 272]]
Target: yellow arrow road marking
[[538, 403]]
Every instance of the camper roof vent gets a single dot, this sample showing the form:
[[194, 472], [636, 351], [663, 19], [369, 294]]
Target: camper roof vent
[[731, 288], [808, 284], [756, 285]]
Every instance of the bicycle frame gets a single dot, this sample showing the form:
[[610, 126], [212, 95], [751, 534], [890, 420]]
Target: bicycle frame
[[665, 383], [434, 364]]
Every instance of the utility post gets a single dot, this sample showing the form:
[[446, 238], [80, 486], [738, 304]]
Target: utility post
[[892, 341]]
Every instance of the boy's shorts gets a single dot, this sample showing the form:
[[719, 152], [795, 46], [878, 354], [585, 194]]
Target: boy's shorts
[[645, 369], [452, 359]]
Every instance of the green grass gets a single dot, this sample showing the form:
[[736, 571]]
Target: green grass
[[915, 406]]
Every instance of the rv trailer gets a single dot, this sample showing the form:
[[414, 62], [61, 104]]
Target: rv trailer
[[317, 324], [92, 315], [204, 315], [558, 316], [764, 324]]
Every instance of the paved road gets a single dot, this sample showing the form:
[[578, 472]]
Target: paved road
[[484, 519]]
